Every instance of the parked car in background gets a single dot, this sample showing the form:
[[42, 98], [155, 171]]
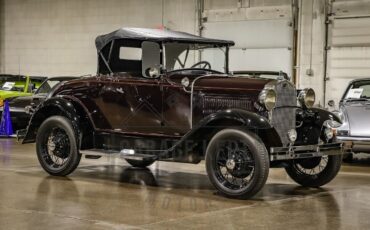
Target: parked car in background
[[155, 99], [354, 111], [18, 85], [21, 107]]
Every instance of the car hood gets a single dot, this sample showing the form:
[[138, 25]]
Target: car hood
[[358, 115], [238, 84]]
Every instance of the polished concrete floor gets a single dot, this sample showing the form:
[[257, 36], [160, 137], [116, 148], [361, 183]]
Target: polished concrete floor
[[108, 194]]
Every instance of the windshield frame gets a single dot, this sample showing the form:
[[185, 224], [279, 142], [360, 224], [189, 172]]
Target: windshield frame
[[37, 92], [350, 86], [220, 46]]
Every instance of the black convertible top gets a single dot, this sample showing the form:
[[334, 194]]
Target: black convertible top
[[157, 35]]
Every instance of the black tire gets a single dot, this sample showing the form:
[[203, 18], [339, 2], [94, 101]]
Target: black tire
[[252, 153], [65, 148], [297, 170], [140, 163]]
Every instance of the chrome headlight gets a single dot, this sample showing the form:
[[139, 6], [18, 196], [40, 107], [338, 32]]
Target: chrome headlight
[[268, 98], [307, 97]]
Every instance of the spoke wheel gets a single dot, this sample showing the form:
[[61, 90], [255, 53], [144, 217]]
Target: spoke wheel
[[312, 166], [56, 146], [237, 163], [314, 172]]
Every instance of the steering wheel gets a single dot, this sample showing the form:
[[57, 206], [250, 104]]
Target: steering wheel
[[202, 65]]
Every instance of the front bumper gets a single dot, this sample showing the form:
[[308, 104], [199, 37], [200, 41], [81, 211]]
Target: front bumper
[[304, 151], [355, 144]]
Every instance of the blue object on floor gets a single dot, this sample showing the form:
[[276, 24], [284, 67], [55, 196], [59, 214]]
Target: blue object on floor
[[6, 128]]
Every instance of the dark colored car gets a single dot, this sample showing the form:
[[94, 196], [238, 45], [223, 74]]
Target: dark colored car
[[19, 105], [354, 110], [166, 95]]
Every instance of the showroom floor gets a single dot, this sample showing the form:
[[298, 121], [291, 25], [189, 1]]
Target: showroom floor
[[107, 194]]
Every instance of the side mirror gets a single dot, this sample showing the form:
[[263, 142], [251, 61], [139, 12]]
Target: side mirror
[[151, 59], [152, 72], [331, 103]]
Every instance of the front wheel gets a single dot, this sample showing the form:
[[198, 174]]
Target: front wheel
[[237, 163], [56, 146], [314, 172]]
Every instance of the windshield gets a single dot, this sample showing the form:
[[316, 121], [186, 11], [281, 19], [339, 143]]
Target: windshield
[[47, 86], [358, 91], [262, 74], [11, 86], [195, 56]]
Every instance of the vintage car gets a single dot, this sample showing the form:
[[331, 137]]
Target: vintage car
[[354, 111], [18, 85], [166, 95], [20, 106]]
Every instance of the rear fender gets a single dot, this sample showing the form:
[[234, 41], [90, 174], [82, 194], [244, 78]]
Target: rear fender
[[51, 107]]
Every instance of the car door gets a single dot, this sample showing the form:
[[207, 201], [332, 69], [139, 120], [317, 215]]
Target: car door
[[133, 105], [176, 106]]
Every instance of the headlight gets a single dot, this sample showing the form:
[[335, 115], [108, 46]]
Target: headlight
[[268, 98], [307, 97]]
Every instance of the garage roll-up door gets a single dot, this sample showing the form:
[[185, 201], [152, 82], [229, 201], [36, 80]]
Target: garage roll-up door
[[349, 54], [259, 44]]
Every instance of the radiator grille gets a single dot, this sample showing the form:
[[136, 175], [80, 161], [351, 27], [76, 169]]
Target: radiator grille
[[283, 117], [212, 104]]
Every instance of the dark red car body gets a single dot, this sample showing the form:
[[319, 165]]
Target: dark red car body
[[117, 110]]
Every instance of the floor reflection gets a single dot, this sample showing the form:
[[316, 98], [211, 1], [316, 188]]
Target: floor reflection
[[361, 159], [185, 181], [5, 150], [138, 176], [145, 176]]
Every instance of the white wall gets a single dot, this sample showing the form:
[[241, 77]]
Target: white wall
[[56, 37], [311, 47], [48, 37]]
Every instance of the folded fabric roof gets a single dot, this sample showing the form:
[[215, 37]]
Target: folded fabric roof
[[156, 35]]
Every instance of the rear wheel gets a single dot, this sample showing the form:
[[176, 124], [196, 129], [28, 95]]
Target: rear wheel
[[56, 146], [237, 163], [314, 172]]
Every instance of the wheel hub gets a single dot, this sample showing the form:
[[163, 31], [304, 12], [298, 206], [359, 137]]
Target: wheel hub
[[237, 165], [57, 144], [230, 164], [51, 146]]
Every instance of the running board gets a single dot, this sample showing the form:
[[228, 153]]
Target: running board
[[127, 154]]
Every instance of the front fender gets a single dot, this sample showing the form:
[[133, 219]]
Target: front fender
[[244, 118], [50, 107], [206, 127], [325, 115]]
